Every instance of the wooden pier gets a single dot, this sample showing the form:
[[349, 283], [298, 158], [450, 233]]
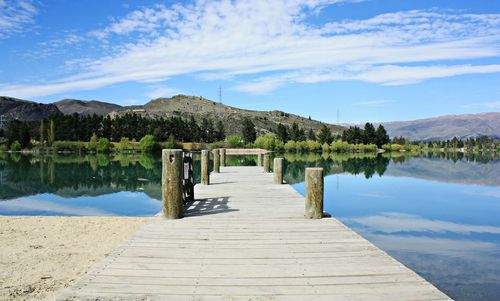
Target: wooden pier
[[246, 238]]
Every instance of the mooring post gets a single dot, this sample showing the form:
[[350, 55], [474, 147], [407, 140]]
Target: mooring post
[[314, 193], [278, 170], [222, 157], [267, 163], [205, 172], [216, 154], [260, 159], [172, 177]]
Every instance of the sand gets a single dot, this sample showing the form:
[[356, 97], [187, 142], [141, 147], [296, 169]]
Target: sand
[[41, 256]]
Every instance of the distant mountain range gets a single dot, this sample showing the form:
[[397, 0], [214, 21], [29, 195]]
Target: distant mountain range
[[178, 106], [71, 106], [430, 129], [447, 127]]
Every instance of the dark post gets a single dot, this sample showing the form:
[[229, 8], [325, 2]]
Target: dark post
[[216, 160], [172, 177], [222, 157], [267, 163], [205, 173], [314, 193], [278, 170]]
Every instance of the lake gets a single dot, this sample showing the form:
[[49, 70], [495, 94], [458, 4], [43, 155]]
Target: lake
[[438, 215]]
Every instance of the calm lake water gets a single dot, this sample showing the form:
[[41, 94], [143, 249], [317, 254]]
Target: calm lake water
[[440, 216]]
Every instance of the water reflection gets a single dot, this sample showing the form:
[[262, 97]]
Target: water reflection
[[436, 213], [438, 216], [79, 185]]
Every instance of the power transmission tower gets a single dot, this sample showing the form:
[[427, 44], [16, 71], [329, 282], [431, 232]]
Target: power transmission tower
[[220, 94], [3, 121]]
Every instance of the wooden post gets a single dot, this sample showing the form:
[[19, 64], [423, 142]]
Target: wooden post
[[205, 172], [172, 177], [222, 157], [278, 170], [314, 193], [267, 163], [260, 159], [216, 160]]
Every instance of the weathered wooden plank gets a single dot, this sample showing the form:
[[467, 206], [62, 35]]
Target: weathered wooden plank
[[247, 238], [267, 281]]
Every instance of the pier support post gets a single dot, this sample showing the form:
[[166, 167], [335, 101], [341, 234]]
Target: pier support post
[[205, 171], [278, 170], [260, 159], [314, 193], [216, 154], [222, 157], [172, 177], [267, 163]]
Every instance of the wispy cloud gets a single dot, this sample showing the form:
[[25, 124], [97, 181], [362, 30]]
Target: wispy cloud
[[231, 38], [15, 15], [495, 105]]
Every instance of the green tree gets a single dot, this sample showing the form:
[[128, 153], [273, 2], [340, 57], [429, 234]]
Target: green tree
[[381, 136], [353, 135], [25, 135], [233, 141], [325, 135], [147, 143], [51, 137], [302, 135], [92, 146], [311, 135], [220, 132], [248, 131], [282, 132], [170, 142], [103, 145], [207, 130], [15, 146], [295, 132], [194, 130], [369, 134], [43, 131]]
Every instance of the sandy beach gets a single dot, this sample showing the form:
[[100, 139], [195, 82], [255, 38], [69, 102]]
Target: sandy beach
[[41, 256]]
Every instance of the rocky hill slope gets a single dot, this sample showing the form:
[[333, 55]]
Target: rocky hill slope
[[198, 107], [13, 108]]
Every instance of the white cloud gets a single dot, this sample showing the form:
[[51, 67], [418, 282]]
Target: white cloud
[[231, 38], [495, 105], [390, 75], [15, 15]]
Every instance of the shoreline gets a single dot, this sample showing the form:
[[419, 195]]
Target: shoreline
[[43, 255]]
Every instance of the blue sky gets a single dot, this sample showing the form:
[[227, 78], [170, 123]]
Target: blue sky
[[373, 60]]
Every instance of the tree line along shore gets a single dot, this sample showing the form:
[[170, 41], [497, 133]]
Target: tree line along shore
[[136, 133]]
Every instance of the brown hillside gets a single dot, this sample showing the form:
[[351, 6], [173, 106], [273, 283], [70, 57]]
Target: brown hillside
[[187, 106]]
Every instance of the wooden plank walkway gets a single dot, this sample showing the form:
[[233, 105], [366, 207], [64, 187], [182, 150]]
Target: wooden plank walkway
[[245, 238]]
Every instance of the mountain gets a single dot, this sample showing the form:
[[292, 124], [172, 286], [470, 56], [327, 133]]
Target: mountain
[[447, 127], [13, 108], [198, 107], [70, 106]]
